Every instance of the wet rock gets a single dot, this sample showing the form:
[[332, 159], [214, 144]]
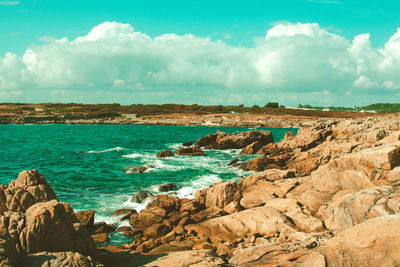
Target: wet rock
[[102, 227], [233, 161], [187, 144], [190, 151], [165, 153], [141, 196], [86, 218], [125, 214], [167, 187], [139, 169]]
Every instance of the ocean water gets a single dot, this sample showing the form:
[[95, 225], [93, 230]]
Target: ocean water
[[86, 164]]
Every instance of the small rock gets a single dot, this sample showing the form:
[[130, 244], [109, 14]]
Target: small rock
[[140, 196], [103, 227], [100, 237], [190, 151], [164, 154], [187, 144], [124, 213], [233, 161], [167, 187]]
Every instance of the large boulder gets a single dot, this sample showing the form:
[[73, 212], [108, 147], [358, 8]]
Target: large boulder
[[29, 188], [265, 221], [48, 226], [221, 140], [354, 208], [219, 194], [375, 242]]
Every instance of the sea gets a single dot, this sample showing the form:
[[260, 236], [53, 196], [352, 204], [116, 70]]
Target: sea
[[86, 164]]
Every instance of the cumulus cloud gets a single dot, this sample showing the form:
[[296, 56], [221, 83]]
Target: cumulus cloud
[[295, 63]]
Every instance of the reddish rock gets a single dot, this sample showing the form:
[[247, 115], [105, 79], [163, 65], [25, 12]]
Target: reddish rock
[[252, 148], [222, 140], [100, 238], [29, 188], [86, 218], [166, 202], [375, 242], [219, 194], [156, 230], [164, 154], [190, 151], [49, 226], [147, 217]]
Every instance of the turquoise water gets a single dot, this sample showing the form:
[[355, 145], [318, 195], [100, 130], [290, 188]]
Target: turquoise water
[[85, 164]]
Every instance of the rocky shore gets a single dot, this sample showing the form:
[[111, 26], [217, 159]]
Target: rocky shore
[[223, 119], [328, 196]]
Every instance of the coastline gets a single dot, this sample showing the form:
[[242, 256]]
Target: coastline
[[303, 201], [225, 120]]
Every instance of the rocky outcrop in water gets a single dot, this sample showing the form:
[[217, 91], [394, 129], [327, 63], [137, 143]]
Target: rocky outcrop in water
[[221, 140]]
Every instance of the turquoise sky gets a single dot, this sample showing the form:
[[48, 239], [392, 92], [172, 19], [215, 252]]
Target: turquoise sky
[[243, 25], [22, 23]]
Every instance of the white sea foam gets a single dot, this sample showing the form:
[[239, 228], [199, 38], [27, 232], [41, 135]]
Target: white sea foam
[[133, 156], [174, 146], [203, 181], [107, 150], [137, 206], [159, 165]]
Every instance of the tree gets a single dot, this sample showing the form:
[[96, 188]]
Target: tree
[[307, 106], [300, 106], [271, 105]]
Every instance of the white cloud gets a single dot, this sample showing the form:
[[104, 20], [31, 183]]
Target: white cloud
[[9, 3], [115, 63]]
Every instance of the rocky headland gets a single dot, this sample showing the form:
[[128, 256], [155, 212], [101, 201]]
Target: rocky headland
[[328, 196]]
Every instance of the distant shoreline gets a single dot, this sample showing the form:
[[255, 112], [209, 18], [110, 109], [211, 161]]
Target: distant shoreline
[[224, 120]]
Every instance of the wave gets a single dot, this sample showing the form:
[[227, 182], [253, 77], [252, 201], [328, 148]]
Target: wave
[[133, 156], [203, 181], [107, 150]]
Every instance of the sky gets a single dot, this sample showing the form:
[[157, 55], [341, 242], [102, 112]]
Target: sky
[[318, 52]]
